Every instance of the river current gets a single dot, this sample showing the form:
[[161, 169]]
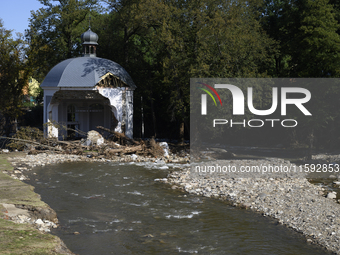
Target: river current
[[121, 209]]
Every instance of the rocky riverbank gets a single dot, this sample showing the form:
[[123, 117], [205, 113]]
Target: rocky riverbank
[[25, 163], [19, 204], [287, 197]]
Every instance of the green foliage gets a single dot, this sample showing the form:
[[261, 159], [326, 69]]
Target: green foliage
[[307, 33], [14, 73], [54, 32], [164, 43], [319, 41]]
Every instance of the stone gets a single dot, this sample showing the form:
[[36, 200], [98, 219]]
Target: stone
[[160, 162], [148, 236], [133, 157], [165, 148], [39, 222], [87, 142], [100, 141], [331, 195], [262, 195], [44, 229], [95, 137], [48, 223], [23, 217]]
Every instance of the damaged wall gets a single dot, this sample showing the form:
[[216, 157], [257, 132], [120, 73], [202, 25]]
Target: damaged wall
[[117, 110], [121, 100]]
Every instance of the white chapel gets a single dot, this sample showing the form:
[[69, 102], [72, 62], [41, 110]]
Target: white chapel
[[85, 92]]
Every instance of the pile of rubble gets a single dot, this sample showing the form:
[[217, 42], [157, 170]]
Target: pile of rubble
[[93, 146]]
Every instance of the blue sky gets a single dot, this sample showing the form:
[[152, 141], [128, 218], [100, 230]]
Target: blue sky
[[15, 13]]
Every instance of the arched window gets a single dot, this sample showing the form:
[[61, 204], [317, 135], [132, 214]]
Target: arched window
[[71, 113]]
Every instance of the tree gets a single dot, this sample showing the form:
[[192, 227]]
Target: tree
[[14, 73], [273, 20], [129, 33], [164, 43], [54, 33], [307, 33], [209, 39], [318, 41]]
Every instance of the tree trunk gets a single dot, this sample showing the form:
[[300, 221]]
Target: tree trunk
[[8, 125], [181, 133], [153, 117], [126, 50]]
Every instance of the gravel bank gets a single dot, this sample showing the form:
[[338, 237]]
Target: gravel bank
[[287, 197], [23, 164]]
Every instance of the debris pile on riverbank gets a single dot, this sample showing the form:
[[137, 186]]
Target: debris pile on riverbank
[[293, 201], [91, 145]]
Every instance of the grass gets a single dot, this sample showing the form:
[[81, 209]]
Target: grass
[[4, 164], [14, 191], [20, 239]]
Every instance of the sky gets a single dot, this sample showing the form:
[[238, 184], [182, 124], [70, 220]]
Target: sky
[[15, 13]]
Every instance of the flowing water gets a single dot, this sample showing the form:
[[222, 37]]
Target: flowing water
[[120, 209]]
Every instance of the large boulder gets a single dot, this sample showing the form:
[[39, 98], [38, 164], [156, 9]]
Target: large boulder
[[165, 148], [93, 137]]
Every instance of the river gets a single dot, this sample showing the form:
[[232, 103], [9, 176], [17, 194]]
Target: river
[[121, 209]]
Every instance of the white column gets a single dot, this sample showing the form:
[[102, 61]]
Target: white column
[[129, 113], [52, 119]]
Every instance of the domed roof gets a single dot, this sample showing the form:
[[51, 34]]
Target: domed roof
[[89, 37], [84, 72]]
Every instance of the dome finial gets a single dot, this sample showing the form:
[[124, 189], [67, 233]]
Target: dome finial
[[89, 40]]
